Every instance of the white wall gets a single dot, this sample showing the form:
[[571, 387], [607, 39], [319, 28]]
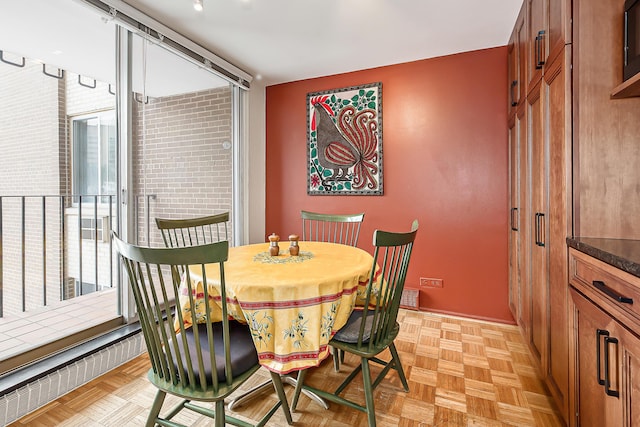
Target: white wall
[[257, 163]]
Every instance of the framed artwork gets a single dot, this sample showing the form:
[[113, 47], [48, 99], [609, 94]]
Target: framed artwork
[[344, 141]]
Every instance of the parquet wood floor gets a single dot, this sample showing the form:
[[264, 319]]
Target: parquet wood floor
[[461, 373]]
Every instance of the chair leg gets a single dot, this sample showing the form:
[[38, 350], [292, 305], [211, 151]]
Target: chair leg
[[336, 359], [368, 392], [398, 366], [155, 408], [277, 383], [220, 418], [296, 394]]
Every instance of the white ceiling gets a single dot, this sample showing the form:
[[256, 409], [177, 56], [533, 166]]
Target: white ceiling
[[70, 35], [276, 41], [287, 40]]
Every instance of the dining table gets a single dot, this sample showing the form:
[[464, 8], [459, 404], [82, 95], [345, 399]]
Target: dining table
[[293, 305]]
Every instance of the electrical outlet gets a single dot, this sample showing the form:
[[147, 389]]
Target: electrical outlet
[[429, 282]]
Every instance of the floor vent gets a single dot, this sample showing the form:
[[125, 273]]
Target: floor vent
[[16, 404], [410, 299]]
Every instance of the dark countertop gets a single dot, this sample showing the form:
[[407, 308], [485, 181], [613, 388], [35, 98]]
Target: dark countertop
[[621, 253]]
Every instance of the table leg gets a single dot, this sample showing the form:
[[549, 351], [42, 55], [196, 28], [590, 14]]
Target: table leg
[[311, 395], [251, 394], [267, 385]]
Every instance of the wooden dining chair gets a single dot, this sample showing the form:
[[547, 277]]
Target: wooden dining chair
[[204, 363], [370, 331], [194, 231], [334, 228]]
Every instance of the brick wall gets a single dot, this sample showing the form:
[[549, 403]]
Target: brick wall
[[182, 159], [29, 165]]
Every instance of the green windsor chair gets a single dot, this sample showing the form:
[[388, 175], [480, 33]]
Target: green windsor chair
[[373, 329], [204, 363], [194, 231], [334, 228]]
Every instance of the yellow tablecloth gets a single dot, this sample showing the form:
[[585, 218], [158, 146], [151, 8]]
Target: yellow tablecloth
[[293, 305]]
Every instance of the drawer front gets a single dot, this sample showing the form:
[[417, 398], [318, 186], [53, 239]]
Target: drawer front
[[607, 286]]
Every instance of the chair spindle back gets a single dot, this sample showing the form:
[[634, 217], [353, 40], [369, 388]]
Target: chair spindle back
[[194, 231], [333, 228]]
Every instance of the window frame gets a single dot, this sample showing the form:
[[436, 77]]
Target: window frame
[[111, 115]]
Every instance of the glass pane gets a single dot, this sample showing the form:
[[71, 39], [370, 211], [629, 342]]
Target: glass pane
[[182, 140], [86, 160], [54, 133], [108, 154]]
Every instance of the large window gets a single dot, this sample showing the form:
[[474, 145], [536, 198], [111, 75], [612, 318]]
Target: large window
[[94, 154], [86, 152]]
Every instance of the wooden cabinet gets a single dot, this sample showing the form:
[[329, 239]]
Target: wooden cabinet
[[537, 218], [519, 228], [607, 344], [606, 130], [537, 29], [519, 235], [558, 223], [548, 30], [540, 143], [516, 65], [514, 233], [550, 218]]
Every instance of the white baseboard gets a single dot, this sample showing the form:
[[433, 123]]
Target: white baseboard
[[18, 403]]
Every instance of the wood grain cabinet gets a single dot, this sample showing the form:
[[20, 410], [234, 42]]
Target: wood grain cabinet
[[607, 344], [540, 135], [548, 31], [516, 64]]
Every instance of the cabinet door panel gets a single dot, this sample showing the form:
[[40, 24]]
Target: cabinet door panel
[[524, 242], [558, 22], [538, 218], [595, 407], [514, 232], [537, 28], [516, 64], [512, 76], [557, 117], [523, 60], [626, 376]]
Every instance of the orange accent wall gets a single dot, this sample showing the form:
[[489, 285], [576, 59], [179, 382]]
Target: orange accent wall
[[445, 162]]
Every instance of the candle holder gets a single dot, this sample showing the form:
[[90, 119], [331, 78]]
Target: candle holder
[[274, 249], [294, 249]]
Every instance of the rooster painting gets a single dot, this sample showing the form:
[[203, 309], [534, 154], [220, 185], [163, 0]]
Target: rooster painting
[[345, 148]]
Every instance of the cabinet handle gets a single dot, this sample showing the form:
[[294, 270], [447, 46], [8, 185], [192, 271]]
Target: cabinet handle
[[513, 219], [611, 293], [513, 98], [539, 51], [607, 380], [599, 333], [540, 237]]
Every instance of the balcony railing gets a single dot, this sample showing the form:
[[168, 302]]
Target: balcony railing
[[54, 248]]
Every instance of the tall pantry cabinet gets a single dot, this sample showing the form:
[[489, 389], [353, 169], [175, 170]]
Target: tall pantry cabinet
[[540, 156]]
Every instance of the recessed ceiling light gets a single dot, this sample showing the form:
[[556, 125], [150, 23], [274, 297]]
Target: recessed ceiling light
[[57, 52], [197, 5]]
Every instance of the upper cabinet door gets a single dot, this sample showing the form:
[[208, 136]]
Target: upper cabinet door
[[536, 40], [512, 75], [559, 27], [549, 26], [516, 54]]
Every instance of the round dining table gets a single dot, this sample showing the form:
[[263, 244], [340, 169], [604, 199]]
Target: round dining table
[[292, 304]]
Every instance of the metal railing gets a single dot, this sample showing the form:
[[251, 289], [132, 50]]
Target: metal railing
[[51, 244]]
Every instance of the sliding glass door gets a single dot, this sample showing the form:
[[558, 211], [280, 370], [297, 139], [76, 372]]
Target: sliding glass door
[[182, 139], [104, 128]]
